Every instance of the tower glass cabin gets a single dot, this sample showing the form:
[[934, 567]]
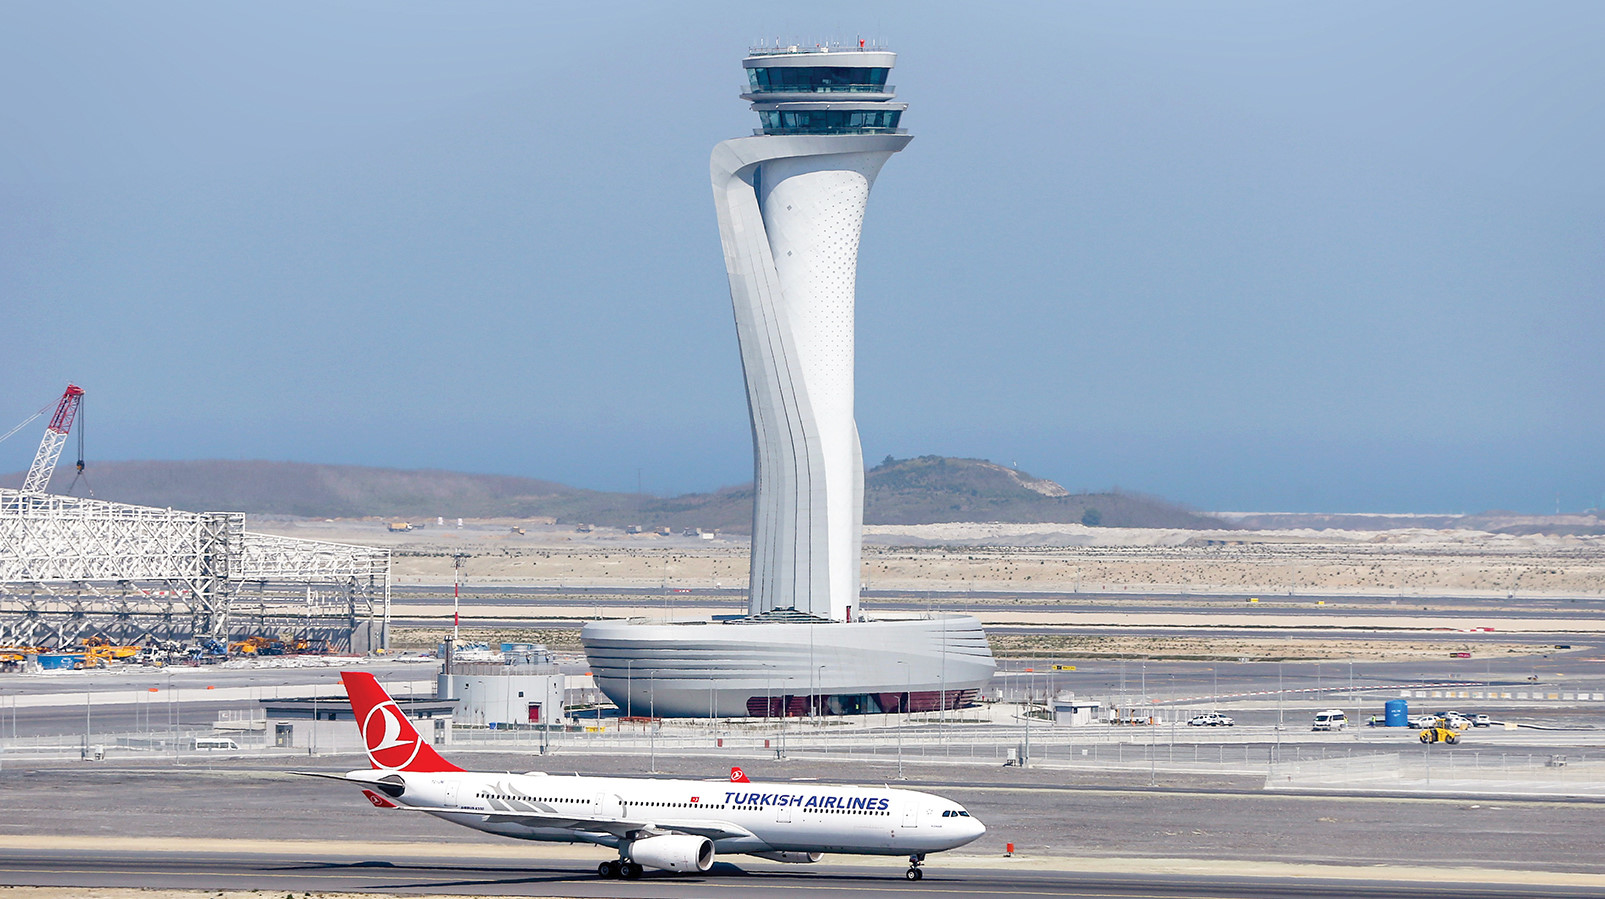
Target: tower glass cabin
[[822, 91]]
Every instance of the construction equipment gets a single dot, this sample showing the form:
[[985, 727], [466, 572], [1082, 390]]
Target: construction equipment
[[257, 646], [44, 461], [99, 650], [309, 646], [19, 653], [1437, 734]]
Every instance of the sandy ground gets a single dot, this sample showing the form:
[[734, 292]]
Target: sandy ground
[[1086, 646], [1013, 558]]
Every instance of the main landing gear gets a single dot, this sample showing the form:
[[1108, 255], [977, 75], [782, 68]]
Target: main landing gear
[[626, 869], [914, 872]]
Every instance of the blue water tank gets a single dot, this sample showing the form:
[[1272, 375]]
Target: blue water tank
[[1396, 713]]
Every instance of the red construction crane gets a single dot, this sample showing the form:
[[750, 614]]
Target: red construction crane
[[44, 461]]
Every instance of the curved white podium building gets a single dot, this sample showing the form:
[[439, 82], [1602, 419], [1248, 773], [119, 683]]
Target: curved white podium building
[[790, 203]]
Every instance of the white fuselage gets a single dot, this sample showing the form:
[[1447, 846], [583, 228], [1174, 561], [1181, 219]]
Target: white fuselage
[[762, 817]]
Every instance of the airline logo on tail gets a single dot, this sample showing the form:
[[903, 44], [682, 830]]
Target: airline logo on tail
[[391, 741], [738, 776], [382, 731]]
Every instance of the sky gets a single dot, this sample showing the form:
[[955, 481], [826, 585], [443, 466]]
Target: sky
[[1244, 256]]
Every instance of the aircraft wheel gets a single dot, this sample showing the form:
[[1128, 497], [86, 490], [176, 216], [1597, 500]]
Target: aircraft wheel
[[632, 871], [607, 870], [913, 874]]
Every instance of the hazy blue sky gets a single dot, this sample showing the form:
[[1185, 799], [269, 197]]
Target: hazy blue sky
[[1344, 256]]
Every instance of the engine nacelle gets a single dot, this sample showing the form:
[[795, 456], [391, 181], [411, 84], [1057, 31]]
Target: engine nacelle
[[673, 852], [796, 858]]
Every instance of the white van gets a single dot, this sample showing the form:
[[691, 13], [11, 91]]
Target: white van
[[216, 744], [1331, 719]]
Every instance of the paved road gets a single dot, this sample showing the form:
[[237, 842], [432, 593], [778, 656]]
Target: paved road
[[477, 877], [1013, 601]]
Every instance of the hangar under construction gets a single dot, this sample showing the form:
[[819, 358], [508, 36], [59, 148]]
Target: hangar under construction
[[73, 568]]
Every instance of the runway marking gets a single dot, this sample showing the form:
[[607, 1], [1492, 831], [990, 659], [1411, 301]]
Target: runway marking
[[340, 860], [706, 881]]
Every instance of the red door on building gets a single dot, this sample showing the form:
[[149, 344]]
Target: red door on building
[[534, 713]]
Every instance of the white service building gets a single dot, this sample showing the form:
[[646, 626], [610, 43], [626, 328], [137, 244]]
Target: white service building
[[522, 688]]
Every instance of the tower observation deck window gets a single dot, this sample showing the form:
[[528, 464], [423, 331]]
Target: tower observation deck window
[[821, 79], [829, 121]]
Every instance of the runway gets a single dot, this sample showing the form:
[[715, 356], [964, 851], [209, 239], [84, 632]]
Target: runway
[[408, 874]]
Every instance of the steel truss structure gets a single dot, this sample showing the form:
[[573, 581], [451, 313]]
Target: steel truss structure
[[73, 567]]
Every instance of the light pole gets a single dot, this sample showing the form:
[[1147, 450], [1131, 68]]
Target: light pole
[[629, 688], [902, 717], [456, 591], [820, 700]]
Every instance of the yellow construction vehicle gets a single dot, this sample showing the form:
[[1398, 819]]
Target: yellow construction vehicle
[[1437, 734], [99, 650], [19, 653], [257, 646]]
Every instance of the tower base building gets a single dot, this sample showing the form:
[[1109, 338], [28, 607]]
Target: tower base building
[[790, 203], [770, 667]]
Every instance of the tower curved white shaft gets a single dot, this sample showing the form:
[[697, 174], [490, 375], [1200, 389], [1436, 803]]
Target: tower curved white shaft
[[791, 203]]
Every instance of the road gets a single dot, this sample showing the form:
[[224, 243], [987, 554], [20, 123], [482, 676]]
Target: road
[[445, 874], [600, 598]]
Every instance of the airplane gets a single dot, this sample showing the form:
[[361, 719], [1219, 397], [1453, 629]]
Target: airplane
[[669, 825]]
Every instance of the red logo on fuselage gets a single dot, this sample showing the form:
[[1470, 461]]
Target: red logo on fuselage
[[738, 776], [390, 739]]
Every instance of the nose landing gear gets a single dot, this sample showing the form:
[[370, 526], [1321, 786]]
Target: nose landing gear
[[914, 872]]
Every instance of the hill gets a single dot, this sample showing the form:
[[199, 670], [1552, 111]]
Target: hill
[[325, 491], [926, 490], [933, 489]]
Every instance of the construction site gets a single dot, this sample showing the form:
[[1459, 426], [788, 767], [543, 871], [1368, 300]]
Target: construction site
[[87, 583]]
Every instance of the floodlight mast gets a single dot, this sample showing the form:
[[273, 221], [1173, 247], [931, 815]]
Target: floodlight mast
[[44, 461]]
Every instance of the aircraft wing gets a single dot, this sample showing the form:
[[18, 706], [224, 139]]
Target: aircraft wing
[[713, 830], [619, 827]]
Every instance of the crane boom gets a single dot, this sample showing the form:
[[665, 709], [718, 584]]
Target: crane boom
[[44, 461]]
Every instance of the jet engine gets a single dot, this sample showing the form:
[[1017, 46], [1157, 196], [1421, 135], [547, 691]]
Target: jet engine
[[796, 858], [673, 852]]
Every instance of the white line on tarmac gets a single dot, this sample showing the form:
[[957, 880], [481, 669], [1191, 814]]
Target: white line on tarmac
[[1082, 864]]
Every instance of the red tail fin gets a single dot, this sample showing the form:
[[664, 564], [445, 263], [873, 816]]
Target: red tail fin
[[738, 776], [392, 742]]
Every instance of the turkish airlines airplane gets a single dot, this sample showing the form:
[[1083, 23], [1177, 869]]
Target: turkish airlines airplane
[[672, 825]]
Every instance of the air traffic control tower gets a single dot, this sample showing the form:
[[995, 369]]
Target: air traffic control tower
[[791, 205], [790, 202]]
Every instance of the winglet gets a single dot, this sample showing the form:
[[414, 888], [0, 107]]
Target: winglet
[[738, 776], [393, 744]]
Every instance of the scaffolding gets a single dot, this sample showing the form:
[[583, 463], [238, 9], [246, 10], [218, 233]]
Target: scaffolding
[[72, 567]]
